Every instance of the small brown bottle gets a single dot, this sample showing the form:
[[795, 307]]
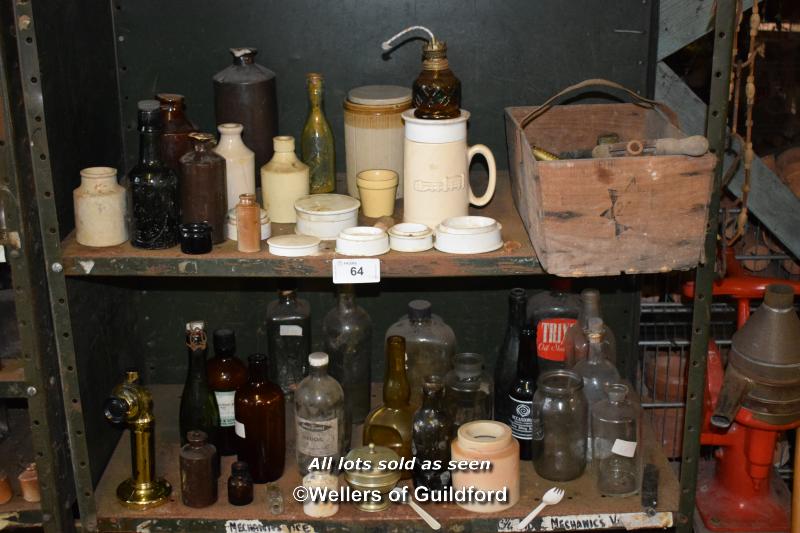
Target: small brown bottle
[[240, 484], [198, 471], [260, 423], [248, 224], [175, 140]]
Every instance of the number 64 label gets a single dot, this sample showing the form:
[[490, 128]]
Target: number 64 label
[[356, 271]]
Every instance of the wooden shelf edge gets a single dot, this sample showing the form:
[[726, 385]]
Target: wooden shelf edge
[[12, 378]]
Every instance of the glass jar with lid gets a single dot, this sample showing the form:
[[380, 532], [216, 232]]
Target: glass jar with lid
[[564, 420], [616, 439], [469, 391]]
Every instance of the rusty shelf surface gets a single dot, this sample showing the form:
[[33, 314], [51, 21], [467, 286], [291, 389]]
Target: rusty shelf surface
[[582, 507], [516, 257]]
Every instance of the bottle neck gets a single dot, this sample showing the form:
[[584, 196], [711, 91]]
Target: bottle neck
[[318, 371], [435, 64], [395, 384], [258, 372], [197, 345], [433, 399], [527, 364], [315, 96], [149, 147], [596, 352], [517, 313], [347, 301], [590, 309], [173, 112], [287, 297]]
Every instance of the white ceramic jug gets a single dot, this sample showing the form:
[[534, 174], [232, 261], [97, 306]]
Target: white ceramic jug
[[436, 168]]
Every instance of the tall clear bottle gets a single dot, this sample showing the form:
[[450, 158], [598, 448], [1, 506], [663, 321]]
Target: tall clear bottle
[[320, 426], [616, 437], [226, 375], [505, 368], [596, 370], [348, 341], [198, 408], [552, 313], [430, 345], [316, 141], [288, 339], [521, 394], [154, 204], [390, 424], [469, 391], [260, 423], [431, 432], [576, 342]]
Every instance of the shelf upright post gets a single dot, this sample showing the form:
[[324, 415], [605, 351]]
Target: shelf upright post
[[716, 131]]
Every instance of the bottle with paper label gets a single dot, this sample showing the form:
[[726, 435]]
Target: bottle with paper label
[[319, 415], [616, 438], [520, 417], [226, 375], [552, 313], [288, 339]]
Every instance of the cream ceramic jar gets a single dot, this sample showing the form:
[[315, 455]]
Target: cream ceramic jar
[[240, 163], [100, 208], [373, 131], [283, 181]]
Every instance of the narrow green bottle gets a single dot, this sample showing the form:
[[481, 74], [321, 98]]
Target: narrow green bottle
[[316, 143], [198, 409]]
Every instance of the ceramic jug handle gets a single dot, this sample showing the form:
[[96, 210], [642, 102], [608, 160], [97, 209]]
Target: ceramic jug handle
[[485, 152]]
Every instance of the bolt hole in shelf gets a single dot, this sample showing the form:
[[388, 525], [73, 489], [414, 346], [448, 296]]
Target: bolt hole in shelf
[[582, 501]]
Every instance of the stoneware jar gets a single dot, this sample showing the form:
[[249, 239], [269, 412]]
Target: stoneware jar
[[29, 484], [320, 480], [486, 440], [100, 208], [436, 169], [283, 181], [240, 163], [373, 131], [377, 189]]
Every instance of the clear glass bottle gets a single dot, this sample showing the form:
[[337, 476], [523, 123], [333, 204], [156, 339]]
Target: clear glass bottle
[[198, 464], [260, 423], [175, 140], [505, 368], [616, 439], [576, 342], [430, 345], [226, 375], [596, 370], [565, 419], [431, 433], [436, 91], [319, 416], [198, 408], [552, 313], [203, 186], [348, 341], [469, 391], [288, 339], [316, 141], [521, 394], [240, 484], [154, 204], [390, 424]]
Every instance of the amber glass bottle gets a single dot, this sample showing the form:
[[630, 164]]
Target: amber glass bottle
[[390, 424], [202, 187], [226, 375], [260, 419], [436, 92], [316, 142], [240, 484], [175, 140]]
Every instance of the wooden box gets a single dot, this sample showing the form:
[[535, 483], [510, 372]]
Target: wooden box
[[599, 217]]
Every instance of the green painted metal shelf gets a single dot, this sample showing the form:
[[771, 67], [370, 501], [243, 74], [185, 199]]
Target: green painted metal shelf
[[516, 257]]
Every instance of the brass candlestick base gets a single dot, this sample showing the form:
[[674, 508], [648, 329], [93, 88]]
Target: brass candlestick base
[[145, 495]]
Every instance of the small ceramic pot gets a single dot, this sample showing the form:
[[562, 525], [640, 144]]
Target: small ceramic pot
[[196, 238], [377, 189], [29, 483], [362, 241], [293, 245], [410, 237], [468, 235], [325, 215], [100, 208]]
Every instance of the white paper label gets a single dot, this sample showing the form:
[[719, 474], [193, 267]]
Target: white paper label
[[291, 331], [356, 271], [317, 438], [239, 429], [625, 448], [521, 421], [226, 406]]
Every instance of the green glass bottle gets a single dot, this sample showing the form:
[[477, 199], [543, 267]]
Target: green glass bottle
[[316, 142], [198, 410]]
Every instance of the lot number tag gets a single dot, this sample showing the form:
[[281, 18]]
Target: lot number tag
[[356, 271]]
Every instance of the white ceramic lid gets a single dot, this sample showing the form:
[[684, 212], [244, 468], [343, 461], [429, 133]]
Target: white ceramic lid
[[362, 241], [410, 230], [379, 95], [423, 130], [330, 204], [293, 245], [468, 225]]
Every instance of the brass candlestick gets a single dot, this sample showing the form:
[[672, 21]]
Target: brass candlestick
[[132, 404]]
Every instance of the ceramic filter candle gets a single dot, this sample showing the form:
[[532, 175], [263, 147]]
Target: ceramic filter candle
[[486, 440], [240, 162], [100, 208], [248, 229]]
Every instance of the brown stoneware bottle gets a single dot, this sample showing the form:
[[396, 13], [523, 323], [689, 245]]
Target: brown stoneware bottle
[[198, 471], [226, 375], [248, 224], [175, 138], [202, 186]]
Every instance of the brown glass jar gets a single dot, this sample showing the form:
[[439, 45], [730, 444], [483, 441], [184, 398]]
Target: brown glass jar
[[226, 375], [198, 471], [175, 138], [202, 186], [260, 423], [240, 484]]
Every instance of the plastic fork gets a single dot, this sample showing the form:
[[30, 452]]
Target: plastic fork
[[431, 521], [551, 497]]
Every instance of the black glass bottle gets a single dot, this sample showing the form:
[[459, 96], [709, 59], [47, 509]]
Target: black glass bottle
[[153, 198], [505, 370], [430, 442], [198, 409], [521, 394], [240, 484], [289, 339]]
